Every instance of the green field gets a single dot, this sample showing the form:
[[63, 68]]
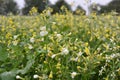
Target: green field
[[60, 47]]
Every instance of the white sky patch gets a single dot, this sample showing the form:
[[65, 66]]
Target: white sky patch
[[53, 1], [20, 3]]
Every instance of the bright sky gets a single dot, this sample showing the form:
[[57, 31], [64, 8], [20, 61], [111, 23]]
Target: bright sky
[[20, 3]]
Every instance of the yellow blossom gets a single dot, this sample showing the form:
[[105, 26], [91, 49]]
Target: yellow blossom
[[51, 75], [15, 42], [87, 51], [58, 65], [8, 36]]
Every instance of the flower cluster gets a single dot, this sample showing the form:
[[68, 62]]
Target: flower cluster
[[60, 46]]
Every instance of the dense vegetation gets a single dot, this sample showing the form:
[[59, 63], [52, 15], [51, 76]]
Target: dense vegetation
[[60, 46]]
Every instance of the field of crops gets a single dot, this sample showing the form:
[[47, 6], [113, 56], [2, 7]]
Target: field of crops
[[60, 47]]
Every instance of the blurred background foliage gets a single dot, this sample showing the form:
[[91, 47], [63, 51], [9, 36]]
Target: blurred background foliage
[[9, 6]]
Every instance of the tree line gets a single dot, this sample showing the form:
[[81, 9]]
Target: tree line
[[9, 6]]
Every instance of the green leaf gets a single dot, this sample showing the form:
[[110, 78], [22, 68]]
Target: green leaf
[[27, 67], [3, 54], [11, 74], [8, 75], [93, 73]]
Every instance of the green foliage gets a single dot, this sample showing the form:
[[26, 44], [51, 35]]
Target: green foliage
[[8, 75], [40, 4], [58, 5], [60, 47], [8, 6], [3, 54], [114, 5]]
